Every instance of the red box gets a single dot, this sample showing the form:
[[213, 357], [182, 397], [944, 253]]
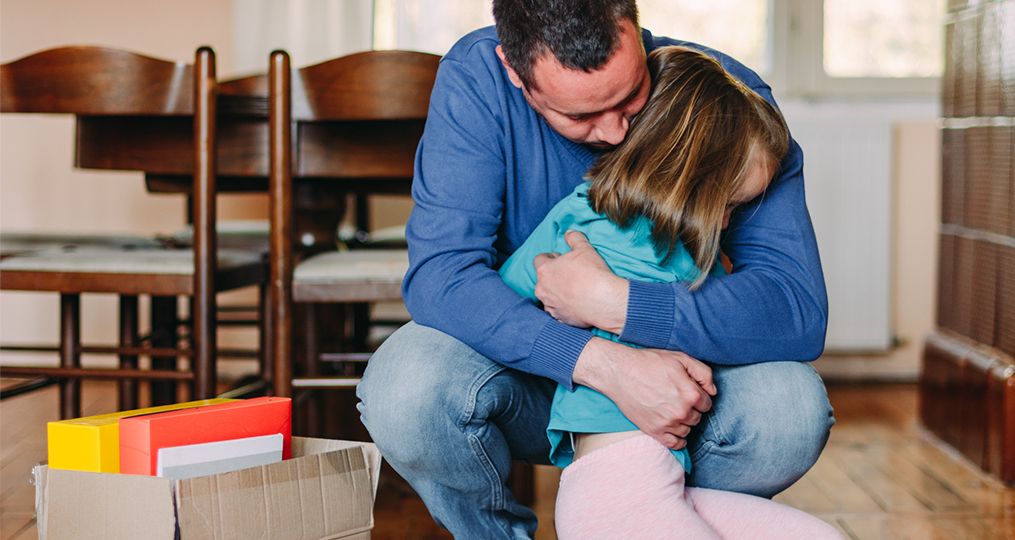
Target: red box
[[142, 436]]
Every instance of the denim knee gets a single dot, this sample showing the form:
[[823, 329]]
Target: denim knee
[[421, 388], [767, 427], [429, 404], [796, 399], [410, 392]]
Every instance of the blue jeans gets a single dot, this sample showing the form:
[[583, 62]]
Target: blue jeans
[[450, 420]]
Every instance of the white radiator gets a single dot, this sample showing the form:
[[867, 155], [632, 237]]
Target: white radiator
[[848, 178]]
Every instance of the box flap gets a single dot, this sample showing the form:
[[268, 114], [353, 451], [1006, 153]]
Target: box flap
[[327, 495], [306, 446], [86, 505]]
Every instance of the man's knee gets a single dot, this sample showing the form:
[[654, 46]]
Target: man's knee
[[792, 414], [419, 389], [768, 427], [402, 386], [782, 401], [792, 445]]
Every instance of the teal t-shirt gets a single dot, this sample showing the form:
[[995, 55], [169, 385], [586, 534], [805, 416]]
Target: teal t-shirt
[[630, 254]]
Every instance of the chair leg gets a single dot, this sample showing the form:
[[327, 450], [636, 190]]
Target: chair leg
[[203, 345], [203, 309], [360, 326], [312, 368], [522, 481], [266, 318], [362, 202], [164, 321], [128, 338], [70, 354]]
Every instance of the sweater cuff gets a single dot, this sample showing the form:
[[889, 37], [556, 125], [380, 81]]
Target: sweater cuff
[[557, 348], [650, 309]]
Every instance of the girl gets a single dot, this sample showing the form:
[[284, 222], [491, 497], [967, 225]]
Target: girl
[[654, 209]]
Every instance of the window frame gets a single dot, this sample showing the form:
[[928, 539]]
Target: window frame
[[795, 54], [797, 59]]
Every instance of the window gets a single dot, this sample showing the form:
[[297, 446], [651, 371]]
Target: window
[[427, 25], [803, 48], [739, 28], [813, 48], [868, 48], [900, 38]]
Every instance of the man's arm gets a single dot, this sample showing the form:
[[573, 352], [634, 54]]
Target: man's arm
[[662, 392], [468, 182], [773, 306]]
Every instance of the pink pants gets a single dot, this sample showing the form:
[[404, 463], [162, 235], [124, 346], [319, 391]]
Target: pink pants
[[634, 489]]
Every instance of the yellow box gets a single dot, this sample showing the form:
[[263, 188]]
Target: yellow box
[[92, 443]]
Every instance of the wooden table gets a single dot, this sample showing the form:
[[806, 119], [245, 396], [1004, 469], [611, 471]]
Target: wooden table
[[324, 164]]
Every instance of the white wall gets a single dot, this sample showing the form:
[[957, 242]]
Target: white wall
[[311, 31], [914, 268], [904, 302]]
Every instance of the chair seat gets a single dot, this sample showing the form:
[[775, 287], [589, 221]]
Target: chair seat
[[157, 271], [249, 235], [395, 233], [369, 275], [15, 243]]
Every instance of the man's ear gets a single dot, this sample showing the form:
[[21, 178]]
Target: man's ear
[[512, 74]]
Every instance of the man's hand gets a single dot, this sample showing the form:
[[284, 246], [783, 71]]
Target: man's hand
[[579, 289], [663, 392]]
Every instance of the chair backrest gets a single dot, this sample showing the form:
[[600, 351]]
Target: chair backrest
[[370, 108], [96, 81], [376, 85], [367, 110]]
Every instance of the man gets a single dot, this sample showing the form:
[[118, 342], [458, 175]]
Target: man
[[516, 118]]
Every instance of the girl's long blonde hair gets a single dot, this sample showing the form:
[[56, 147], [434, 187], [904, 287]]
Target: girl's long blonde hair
[[687, 153]]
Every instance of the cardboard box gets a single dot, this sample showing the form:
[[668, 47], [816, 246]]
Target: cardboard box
[[141, 437], [326, 491], [92, 443]]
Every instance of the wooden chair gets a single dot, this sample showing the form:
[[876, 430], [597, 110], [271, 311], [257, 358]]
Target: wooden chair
[[91, 81], [374, 106]]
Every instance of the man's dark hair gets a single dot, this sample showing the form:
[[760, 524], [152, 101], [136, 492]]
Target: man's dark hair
[[581, 34]]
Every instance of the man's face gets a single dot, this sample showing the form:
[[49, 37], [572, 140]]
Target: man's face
[[591, 108]]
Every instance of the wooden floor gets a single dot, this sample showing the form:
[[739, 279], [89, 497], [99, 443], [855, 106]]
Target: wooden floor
[[881, 476]]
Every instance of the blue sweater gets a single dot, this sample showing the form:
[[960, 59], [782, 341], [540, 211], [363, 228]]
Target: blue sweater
[[630, 254], [489, 169]]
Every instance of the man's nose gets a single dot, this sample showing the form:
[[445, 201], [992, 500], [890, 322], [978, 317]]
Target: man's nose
[[612, 128]]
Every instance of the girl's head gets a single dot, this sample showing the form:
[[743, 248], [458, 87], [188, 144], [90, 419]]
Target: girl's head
[[704, 143]]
